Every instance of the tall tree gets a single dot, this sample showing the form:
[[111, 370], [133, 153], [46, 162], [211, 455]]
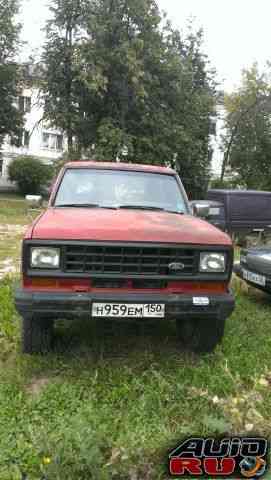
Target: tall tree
[[195, 114], [62, 66], [139, 91], [155, 94], [125, 47], [247, 141], [10, 118]]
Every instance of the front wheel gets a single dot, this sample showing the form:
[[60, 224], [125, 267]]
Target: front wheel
[[201, 335], [37, 335]]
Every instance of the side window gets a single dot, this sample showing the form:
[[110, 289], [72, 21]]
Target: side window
[[26, 138], [21, 140], [52, 141], [45, 140], [24, 104], [59, 142]]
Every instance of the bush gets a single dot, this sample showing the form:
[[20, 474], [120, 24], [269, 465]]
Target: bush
[[30, 174], [232, 183]]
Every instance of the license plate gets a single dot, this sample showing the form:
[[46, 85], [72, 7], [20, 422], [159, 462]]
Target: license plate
[[123, 310], [254, 278]]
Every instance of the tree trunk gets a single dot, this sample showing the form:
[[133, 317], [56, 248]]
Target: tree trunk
[[69, 42], [70, 142]]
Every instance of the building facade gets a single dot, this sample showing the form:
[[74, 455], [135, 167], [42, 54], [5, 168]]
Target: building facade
[[36, 138]]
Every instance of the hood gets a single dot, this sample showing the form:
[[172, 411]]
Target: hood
[[125, 226]]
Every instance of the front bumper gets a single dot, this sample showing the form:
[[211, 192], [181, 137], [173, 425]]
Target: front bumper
[[78, 305], [238, 270]]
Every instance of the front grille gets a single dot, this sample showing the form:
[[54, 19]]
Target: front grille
[[128, 260], [139, 283]]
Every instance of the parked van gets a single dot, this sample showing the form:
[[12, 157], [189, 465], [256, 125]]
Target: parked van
[[244, 210]]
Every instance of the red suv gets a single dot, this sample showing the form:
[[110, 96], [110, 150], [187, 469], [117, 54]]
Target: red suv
[[119, 241]]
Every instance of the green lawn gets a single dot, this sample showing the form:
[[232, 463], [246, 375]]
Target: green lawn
[[14, 217], [14, 210], [110, 401]]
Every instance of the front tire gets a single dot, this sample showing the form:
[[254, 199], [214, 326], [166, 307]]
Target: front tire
[[201, 335], [37, 335]]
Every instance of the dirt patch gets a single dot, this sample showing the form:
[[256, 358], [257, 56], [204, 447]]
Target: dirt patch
[[9, 266], [37, 385], [7, 230], [10, 236], [8, 271], [8, 262]]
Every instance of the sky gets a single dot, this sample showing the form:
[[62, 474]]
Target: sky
[[236, 32]]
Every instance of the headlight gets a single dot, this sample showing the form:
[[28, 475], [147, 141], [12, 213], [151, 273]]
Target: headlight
[[211, 262], [45, 257]]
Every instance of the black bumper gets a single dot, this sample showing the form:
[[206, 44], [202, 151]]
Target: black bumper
[[78, 305], [239, 272]]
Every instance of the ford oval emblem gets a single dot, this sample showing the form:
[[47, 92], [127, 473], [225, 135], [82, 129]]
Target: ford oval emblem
[[176, 267]]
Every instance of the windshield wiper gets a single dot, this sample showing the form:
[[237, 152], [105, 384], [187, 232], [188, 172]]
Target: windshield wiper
[[141, 207], [116, 207], [84, 205], [149, 207]]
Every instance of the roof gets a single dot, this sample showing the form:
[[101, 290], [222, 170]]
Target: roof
[[121, 166], [238, 192]]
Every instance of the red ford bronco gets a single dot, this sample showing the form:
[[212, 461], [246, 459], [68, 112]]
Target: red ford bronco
[[119, 241]]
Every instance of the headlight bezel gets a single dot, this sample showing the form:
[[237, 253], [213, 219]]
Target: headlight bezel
[[215, 256], [38, 250]]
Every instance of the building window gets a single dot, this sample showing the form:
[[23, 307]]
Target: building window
[[25, 104], [21, 140], [52, 141]]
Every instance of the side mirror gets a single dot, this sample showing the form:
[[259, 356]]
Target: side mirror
[[33, 201], [201, 210]]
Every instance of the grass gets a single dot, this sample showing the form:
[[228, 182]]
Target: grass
[[111, 406], [15, 211], [14, 214], [111, 401]]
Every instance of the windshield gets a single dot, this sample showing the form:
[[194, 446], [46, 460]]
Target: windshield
[[120, 189]]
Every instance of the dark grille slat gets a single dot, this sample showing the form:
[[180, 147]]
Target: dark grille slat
[[149, 264], [101, 255], [123, 260]]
